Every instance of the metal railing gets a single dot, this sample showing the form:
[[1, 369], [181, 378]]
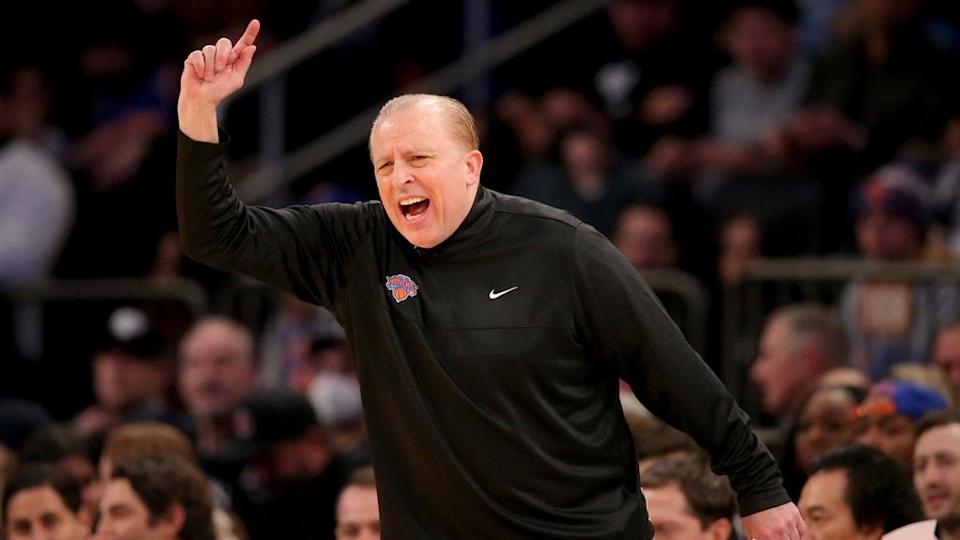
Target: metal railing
[[276, 170], [770, 284]]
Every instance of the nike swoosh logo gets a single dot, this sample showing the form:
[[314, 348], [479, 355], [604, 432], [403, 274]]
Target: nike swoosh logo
[[495, 295]]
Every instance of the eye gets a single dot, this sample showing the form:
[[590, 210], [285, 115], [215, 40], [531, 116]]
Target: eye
[[383, 166]]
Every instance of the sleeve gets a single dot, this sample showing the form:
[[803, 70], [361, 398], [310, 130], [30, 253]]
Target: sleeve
[[304, 250], [618, 317]]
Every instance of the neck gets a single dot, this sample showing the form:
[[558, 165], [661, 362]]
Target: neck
[[212, 434]]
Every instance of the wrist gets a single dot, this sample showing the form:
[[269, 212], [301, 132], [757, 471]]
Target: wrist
[[198, 120]]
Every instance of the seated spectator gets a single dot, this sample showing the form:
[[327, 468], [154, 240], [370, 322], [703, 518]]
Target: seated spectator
[[160, 498], [358, 515], [741, 243], [887, 419], [644, 235], [286, 340], [926, 375], [857, 493], [662, 442], [946, 354], [41, 501], [846, 376], [685, 500], [36, 196], [823, 423], [799, 343], [590, 184], [217, 373], [62, 447], [335, 398], [293, 477], [132, 375], [936, 470], [890, 322]]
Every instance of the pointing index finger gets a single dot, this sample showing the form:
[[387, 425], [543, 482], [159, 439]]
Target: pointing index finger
[[248, 37]]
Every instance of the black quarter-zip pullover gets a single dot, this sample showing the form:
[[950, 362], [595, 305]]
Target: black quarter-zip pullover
[[488, 365]]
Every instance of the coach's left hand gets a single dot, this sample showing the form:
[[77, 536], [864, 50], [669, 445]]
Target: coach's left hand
[[777, 523]]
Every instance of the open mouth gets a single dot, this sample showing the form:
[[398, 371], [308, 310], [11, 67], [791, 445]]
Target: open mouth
[[413, 208]]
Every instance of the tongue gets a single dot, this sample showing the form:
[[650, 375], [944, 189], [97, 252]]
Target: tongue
[[416, 209]]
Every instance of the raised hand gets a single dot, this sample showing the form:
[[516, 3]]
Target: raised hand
[[209, 76]]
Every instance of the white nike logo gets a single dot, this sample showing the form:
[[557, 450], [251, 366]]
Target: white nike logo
[[495, 295]]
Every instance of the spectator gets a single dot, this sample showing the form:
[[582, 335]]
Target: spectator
[[294, 477], [686, 500], [936, 470], [358, 516], [132, 374], [62, 447], [856, 492], [335, 399], [36, 195], [163, 498], [644, 235], [286, 341], [891, 322], [798, 345], [926, 375], [823, 423], [741, 243], [946, 353], [42, 501], [217, 373], [887, 419]]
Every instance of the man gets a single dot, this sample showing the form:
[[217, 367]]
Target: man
[[799, 344], [42, 501], [358, 516], [645, 237], [887, 419], [857, 493], [217, 373], [486, 329], [946, 354], [289, 489], [132, 373], [936, 471], [686, 501], [158, 498]]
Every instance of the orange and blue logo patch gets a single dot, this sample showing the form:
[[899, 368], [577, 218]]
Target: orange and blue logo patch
[[401, 286]]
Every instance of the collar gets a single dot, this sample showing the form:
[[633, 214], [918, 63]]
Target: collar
[[471, 233]]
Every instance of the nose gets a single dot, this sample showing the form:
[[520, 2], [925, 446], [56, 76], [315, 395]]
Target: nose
[[402, 174]]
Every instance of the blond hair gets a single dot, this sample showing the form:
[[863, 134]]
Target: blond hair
[[458, 117]]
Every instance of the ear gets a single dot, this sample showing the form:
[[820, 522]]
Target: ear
[[870, 530], [474, 162], [719, 530], [172, 522]]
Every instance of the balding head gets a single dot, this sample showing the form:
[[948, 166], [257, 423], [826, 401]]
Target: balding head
[[216, 366], [456, 116]]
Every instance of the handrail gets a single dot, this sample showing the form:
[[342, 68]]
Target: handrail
[[187, 291], [848, 268], [264, 181], [313, 40]]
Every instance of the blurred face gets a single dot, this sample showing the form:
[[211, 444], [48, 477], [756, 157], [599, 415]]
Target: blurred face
[[638, 23], [884, 14], [936, 471], [123, 382], [761, 42], [887, 237], [778, 370], [123, 516], [426, 177], [670, 515], [40, 513], [826, 512], [946, 354], [645, 239], [216, 370], [358, 516], [823, 424], [892, 434]]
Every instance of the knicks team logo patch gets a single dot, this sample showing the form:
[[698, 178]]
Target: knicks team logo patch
[[401, 286]]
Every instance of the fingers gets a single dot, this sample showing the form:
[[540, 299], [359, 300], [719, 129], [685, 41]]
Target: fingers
[[248, 37], [224, 49], [209, 62], [243, 61], [195, 62]]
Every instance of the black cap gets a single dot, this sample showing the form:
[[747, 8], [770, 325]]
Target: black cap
[[271, 417], [130, 330]]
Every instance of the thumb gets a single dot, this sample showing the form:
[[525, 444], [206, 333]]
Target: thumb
[[245, 58]]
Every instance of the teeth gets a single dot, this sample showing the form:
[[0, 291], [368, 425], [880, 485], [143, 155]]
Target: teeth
[[411, 200]]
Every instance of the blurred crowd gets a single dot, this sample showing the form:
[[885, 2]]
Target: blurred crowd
[[698, 136]]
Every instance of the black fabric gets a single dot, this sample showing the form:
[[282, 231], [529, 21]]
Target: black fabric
[[488, 418]]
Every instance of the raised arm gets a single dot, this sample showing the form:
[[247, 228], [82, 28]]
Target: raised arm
[[209, 76]]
